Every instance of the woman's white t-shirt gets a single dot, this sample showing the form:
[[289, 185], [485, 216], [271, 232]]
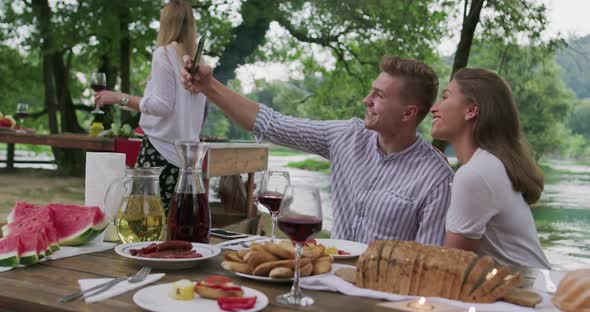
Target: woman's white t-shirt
[[485, 206], [168, 111]]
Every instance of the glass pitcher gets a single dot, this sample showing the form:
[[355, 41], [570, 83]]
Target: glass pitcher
[[133, 203], [189, 217]]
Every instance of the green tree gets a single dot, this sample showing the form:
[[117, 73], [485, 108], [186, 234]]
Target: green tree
[[579, 121]]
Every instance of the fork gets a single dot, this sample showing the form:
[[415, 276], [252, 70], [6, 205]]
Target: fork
[[549, 285], [138, 277]]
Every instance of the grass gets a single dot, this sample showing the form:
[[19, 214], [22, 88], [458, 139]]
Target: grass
[[312, 165], [284, 151]]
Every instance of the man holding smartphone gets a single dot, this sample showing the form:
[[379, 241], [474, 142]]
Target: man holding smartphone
[[387, 182]]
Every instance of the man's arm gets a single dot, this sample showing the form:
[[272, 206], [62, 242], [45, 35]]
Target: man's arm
[[431, 229], [299, 133], [238, 108]]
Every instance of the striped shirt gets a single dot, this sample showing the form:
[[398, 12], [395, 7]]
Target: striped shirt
[[401, 196]]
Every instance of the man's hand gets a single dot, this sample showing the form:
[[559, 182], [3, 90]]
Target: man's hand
[[200, 81]]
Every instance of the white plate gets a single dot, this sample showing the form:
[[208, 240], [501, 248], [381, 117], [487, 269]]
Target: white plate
[[354, 248], [155, 298], [207, 251]]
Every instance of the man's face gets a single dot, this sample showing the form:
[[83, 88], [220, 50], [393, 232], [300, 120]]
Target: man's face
[[385, 110]]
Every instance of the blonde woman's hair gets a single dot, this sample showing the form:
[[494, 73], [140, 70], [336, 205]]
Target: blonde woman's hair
[[497, 129], [177, 24]]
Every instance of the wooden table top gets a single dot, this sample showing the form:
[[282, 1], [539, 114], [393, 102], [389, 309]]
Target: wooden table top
[[37, 287]]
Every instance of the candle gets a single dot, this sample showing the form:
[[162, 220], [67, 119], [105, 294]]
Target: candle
[[420, 305], [491, 274]]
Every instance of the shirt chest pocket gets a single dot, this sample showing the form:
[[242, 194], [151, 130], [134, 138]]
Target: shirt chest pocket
[[393, 215], [399, 197]]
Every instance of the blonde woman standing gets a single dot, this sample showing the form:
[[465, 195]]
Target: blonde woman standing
[[168, 111], [489, 211]]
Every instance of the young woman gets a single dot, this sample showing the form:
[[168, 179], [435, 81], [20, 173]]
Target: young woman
[[168, 111], [498, 177]]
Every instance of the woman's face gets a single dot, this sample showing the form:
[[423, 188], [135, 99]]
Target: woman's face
[[452, 115]]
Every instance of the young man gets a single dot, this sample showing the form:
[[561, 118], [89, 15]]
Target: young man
[[387, 182]]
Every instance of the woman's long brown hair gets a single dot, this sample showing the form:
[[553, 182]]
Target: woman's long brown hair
[[497, 129]]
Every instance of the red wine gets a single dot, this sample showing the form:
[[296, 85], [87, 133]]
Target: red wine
[[97, 87], [271, 200], [300, 228], [21, 115], [189, 218]]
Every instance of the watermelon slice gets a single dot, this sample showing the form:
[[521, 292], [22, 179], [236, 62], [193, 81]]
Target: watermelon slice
[[75, 226], [27, 247], [9, 251], [34, 232]]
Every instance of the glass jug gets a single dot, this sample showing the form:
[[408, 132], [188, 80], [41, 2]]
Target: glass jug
[[189, 217], [133, 203]]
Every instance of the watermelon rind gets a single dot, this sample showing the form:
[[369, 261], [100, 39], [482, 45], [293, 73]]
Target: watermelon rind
[[27, 248], [85, 235], [9, 252]]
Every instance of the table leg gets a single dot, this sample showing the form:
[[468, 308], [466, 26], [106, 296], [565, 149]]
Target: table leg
[[250, 196], [10, 156]]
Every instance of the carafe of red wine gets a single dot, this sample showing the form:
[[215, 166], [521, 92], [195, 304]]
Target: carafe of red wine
[[189, 217]]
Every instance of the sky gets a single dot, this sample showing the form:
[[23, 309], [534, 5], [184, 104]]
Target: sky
[[566, 17]]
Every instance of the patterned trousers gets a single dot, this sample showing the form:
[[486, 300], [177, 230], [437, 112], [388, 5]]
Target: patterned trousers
[[150, 157]]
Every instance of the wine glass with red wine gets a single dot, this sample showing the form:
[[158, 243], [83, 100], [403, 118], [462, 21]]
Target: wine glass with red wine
[[22, 112], [98, 82], [271, 194], [300, 217]]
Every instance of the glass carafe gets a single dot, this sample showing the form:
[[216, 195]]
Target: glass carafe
[[189, 217], [134, 205]]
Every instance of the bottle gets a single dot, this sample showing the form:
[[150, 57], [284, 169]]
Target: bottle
[[189, 217], [96, 127]]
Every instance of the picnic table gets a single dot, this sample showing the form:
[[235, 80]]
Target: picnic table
[[37, 287]]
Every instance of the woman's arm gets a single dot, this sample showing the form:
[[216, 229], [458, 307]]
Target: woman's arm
[[459, 241], [106, 97]]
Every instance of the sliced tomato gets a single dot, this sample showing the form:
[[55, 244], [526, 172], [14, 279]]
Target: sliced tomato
[[218, 279], [236, 303], [342, 252]]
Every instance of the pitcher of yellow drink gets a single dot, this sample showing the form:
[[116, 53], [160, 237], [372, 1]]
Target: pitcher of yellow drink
[[134, 205]]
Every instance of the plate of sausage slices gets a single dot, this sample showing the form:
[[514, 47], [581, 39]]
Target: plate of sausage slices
[[172, 254]]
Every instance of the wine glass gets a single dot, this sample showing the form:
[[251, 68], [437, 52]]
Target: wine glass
[[98, 82], [271, 194], [300, 217], [22, 112]]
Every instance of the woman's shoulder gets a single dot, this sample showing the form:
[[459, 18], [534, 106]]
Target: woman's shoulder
[[482, 167]]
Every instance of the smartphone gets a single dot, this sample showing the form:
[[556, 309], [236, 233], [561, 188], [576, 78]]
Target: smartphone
[[227, 234], [198, 56]]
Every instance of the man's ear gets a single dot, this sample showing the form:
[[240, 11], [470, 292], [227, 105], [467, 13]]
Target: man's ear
[[472, 111], [411, 112]]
